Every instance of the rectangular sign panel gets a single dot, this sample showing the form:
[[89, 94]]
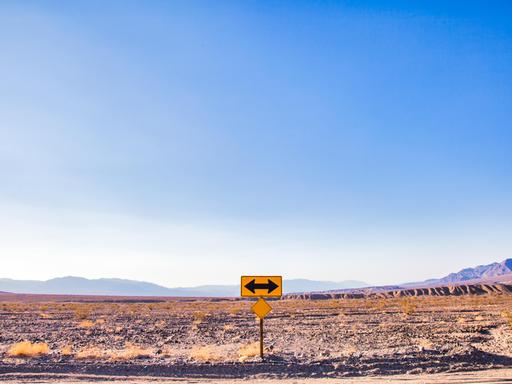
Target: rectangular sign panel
[[261, 286]]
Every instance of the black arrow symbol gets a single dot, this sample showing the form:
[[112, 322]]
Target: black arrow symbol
[[253, 286]]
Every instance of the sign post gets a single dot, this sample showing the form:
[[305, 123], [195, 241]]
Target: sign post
[[261, 286], [261, 338]]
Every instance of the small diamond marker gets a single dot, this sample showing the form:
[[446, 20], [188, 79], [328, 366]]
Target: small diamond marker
[[261, 308]]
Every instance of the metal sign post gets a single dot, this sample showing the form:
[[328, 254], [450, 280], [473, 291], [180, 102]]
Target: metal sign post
[[261, 338]]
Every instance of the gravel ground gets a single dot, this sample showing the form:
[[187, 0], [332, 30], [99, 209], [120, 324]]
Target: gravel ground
[[489, 376], [303, 338]]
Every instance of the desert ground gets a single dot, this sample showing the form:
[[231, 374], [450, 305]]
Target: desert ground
[[457, 339]]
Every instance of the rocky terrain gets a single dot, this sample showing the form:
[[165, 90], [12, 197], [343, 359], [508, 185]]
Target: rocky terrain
[[218, 339], [380, 292]]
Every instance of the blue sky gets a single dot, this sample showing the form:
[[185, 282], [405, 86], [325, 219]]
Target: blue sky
[[191, 142]]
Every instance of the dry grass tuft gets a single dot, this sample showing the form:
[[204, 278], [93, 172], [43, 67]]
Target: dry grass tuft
[[66, 350], [207, 353], [424, 344], [82, 311], [349, 350], [248, 351], [199, 316], [28, 349], [90, 353], [86, 324], [407, 306], [130, 352], [507, 315]]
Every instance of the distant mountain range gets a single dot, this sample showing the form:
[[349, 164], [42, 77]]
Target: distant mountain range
[[493, 272], [120, 287], [474, 279]]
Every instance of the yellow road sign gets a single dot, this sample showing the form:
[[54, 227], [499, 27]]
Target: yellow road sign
[[261, 286], [261, 308]]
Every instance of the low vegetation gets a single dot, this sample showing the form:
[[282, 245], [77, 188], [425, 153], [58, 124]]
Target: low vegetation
[[130, 352], [209, 353], [66, 350], [86, 324], [28, 349], [507, 315], [407, 306], [91, 353], [248, 351]]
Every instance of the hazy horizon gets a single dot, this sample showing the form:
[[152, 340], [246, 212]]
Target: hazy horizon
[[189, 143]]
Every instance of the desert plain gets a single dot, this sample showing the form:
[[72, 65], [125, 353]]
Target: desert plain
[[456, 339]]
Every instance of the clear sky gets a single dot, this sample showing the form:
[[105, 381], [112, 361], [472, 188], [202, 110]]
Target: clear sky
[[190, 142]]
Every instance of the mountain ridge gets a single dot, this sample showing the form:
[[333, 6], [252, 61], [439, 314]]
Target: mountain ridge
[[485, 272], [124, 287]]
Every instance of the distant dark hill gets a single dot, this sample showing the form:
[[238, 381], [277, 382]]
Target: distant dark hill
[[120, 287], [494, 278], [493, 272], [451, 290]]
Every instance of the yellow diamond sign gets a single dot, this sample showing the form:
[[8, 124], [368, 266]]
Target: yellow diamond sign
[[261, 308]]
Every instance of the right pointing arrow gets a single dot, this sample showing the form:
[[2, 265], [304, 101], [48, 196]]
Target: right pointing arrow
[[253, 286]]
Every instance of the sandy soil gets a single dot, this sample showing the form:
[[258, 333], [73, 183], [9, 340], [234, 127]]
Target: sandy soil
[[376, 339]]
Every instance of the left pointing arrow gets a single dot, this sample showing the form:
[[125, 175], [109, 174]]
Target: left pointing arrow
[[253, 286]]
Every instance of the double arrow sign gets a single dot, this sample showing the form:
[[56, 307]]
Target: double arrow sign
[[267, 287], [261, 286]]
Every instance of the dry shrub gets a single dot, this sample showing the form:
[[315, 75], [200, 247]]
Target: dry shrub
[[248, 351], [170, 351], [199, 317], [424, 344], [507, 315], [234, 311], [228, 327], [380, 305], [82, 312], [207, 353], [66, 350], [130, 352], [407, 306], [349, 350], [90, 353], [86, 324], [28, 349]]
